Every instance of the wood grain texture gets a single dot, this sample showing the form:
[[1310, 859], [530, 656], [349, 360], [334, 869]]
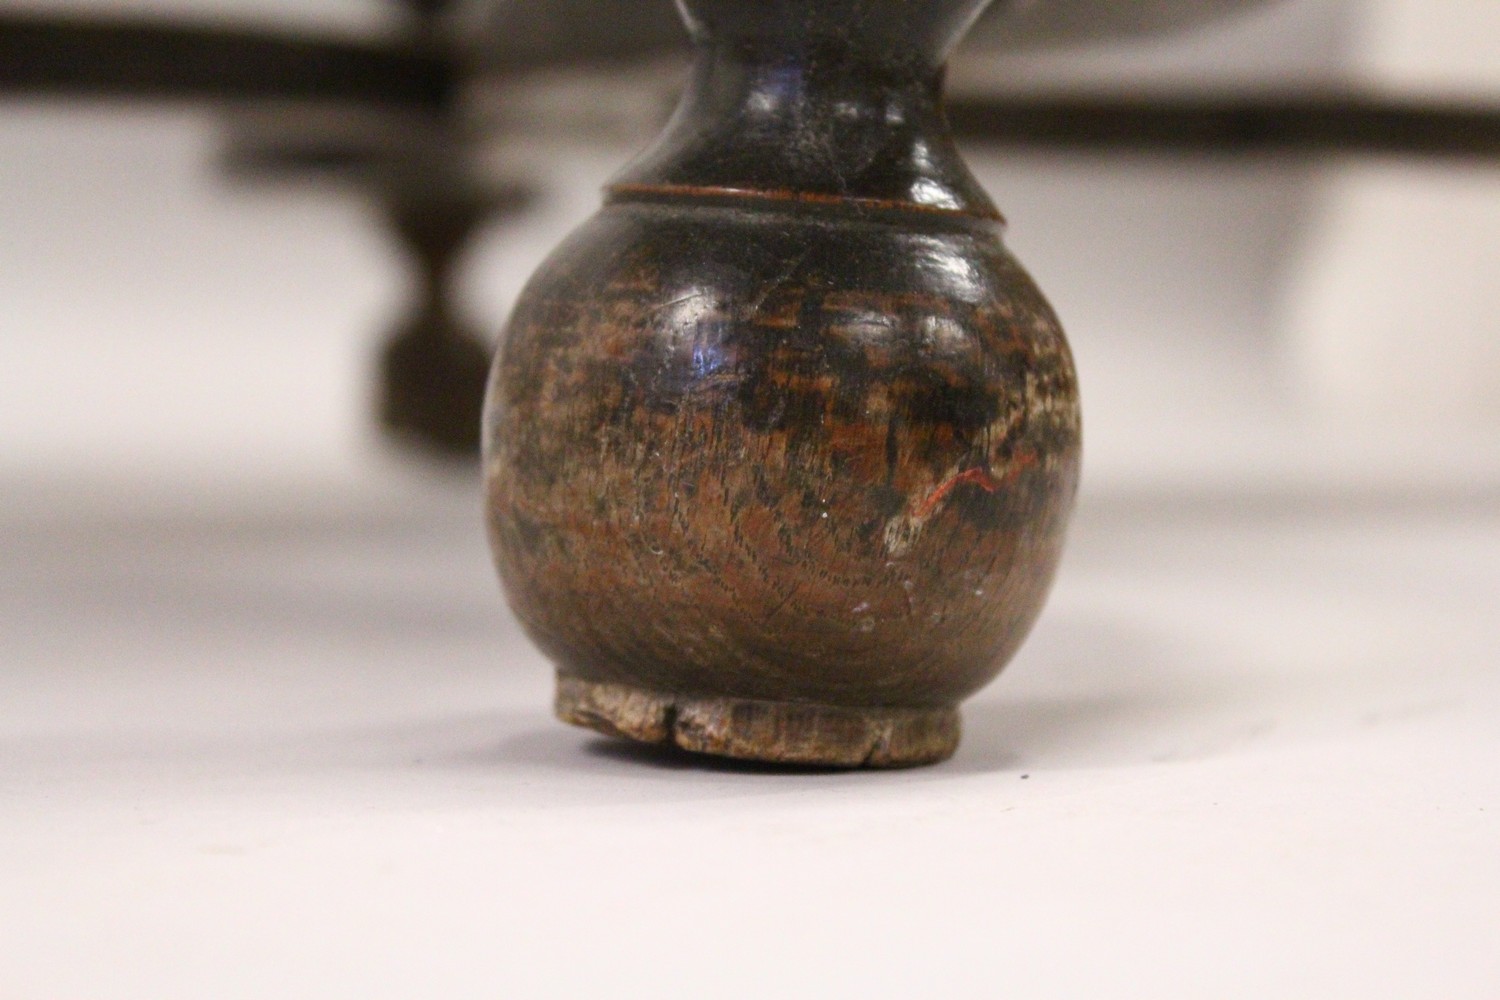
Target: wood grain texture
[[781, 457]]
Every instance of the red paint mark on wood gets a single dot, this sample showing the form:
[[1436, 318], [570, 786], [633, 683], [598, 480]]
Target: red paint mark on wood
[[983, 478]]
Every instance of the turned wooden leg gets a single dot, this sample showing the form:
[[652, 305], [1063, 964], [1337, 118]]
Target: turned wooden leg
[[783, 442], [433, 367]]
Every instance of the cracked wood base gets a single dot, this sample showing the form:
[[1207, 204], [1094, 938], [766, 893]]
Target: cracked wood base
[[773, 731]]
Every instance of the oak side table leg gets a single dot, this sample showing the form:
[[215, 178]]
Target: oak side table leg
[[433, 367], [781, 445]]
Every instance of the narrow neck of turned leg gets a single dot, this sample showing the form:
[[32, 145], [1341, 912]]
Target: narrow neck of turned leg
[[813, 120], [434, 236], [872, 30]]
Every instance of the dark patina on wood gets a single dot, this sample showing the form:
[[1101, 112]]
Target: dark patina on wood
[[781, 444]]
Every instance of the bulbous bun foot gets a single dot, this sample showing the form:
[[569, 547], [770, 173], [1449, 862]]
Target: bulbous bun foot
[[779, 732], [780, 446]]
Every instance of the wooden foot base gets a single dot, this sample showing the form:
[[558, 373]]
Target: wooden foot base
[[774, 731]]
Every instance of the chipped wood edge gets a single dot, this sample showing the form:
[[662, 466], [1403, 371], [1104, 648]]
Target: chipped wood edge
[[772, 731]]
